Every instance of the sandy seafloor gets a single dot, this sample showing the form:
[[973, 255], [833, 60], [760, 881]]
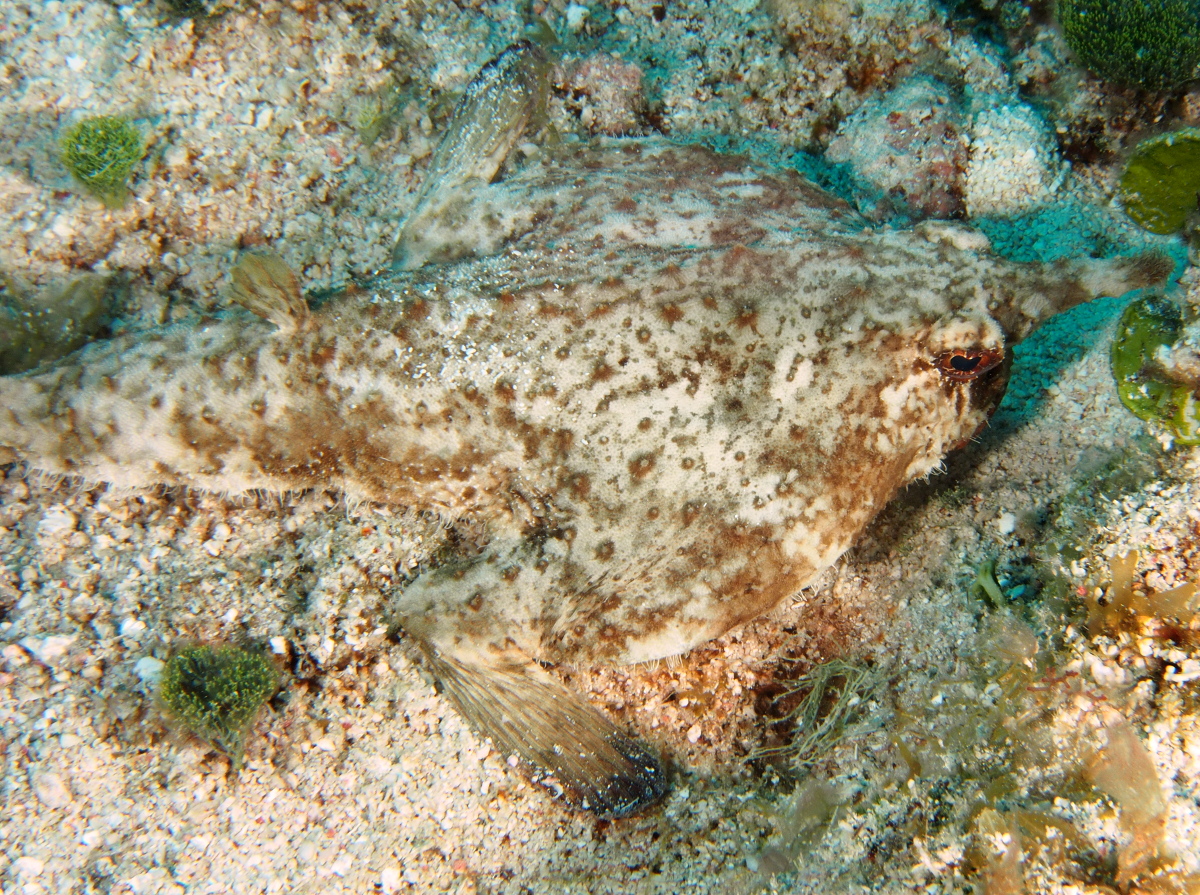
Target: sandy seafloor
[[263, 130]]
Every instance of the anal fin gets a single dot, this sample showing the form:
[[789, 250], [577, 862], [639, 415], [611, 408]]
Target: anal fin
[[573, 750]]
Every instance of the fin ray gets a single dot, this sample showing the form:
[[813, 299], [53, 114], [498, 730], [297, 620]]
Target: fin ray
[[574, 751]]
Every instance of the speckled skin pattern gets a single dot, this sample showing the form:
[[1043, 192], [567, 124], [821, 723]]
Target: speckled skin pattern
[[672, 386]]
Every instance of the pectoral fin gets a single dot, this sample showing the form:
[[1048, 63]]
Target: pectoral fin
[[264, 284], [571, 749]]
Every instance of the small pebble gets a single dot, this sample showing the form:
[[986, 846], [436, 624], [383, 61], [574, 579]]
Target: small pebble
[[576, 16], [390, 880], [29, 866], [57, 521], [148, 669], [52, 791]]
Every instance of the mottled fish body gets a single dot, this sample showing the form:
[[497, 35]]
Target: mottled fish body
[[674, 386]]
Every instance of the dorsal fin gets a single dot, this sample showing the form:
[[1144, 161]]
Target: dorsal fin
[[499, 104], [263, 283]]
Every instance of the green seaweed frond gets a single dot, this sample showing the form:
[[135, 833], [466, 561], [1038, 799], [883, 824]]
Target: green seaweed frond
[[832, 699], [985, 582], [216, 691], [101, 152]]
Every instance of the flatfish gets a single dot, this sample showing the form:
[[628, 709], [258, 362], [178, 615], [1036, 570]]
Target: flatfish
[[671, 386]]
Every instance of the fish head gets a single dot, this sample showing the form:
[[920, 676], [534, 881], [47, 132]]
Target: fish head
[[962, 361], [965, 313], [888, 352]]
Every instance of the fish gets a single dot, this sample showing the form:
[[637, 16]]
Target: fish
[[664, 388]]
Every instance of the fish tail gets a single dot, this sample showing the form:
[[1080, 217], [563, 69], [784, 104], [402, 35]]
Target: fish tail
[[160, 407], [504, 99], [569, 747]]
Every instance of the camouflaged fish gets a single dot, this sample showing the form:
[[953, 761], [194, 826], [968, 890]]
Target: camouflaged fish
[[673, 386]]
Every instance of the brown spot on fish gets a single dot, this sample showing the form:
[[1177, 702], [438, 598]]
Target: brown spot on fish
[[601, 372], [642, 465]]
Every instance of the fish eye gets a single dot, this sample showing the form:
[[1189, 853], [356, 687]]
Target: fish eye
[[963, 364]]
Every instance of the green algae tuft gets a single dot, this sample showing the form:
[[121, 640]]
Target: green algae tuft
[[1134, 43], [1148, 324], [215, 692], [825, 705], [101, 152], [1161, 184]]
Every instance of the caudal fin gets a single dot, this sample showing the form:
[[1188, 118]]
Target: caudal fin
[[572, 750], [507, 95]]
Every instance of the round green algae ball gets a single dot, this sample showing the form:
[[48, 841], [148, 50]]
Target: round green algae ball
[[1161, 184], [1150, 44], [215, 692], [101, 152]]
